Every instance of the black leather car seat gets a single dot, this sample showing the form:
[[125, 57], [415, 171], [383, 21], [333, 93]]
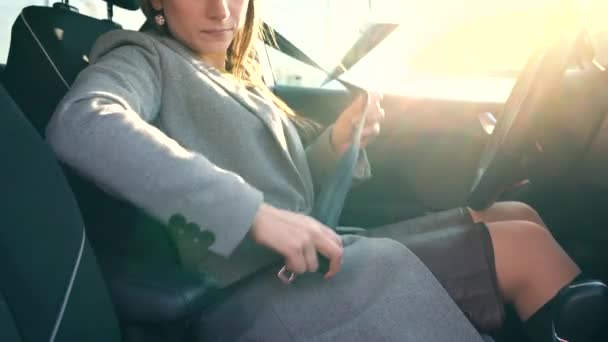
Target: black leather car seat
[[40, 69], [51, 288], [48, 49]]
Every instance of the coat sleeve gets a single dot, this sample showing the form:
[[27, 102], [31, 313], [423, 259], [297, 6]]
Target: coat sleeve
[[323, 161], [103, 129]]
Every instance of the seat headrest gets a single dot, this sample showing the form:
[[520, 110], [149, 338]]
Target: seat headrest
[[131, 5], [49, 45]]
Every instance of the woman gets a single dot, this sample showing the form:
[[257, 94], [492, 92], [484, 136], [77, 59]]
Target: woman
[[177, 121]]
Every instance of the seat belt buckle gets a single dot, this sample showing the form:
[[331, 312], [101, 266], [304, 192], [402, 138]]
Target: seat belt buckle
[[286, 276]]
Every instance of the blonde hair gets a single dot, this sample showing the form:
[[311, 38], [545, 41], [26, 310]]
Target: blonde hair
[[242, 60]]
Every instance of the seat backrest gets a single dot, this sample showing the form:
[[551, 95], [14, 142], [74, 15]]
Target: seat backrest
[[51, 287], [49, 47], [47, 51]]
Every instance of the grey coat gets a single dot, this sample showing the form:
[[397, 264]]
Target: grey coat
[[153, 125], [193, 143]]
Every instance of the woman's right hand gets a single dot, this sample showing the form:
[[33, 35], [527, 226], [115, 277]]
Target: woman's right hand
[[297, 238]]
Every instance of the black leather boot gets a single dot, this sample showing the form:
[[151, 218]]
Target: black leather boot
[[581, 312], [578, 313]]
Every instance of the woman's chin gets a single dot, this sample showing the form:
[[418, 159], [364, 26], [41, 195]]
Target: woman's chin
[[213, 48]]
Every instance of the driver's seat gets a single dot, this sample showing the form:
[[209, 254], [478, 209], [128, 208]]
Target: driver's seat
[[51, 288], [154, 297]]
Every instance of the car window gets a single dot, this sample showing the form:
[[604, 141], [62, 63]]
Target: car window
[[131, 20], [314, 27], [443, 46], [9, 10], [8, 13]]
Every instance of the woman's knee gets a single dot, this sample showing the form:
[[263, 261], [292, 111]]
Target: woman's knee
[[522, 211], [520, 248], [530, 264], [385, 251], [520, 237], [510, 211]]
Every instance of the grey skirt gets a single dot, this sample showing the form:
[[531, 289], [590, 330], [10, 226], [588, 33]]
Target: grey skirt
[[460, 254], [382, 293]]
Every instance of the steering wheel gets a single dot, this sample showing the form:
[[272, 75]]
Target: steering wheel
[[513, 144]]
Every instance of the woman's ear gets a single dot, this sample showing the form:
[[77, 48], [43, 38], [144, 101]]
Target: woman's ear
[[156, 4]]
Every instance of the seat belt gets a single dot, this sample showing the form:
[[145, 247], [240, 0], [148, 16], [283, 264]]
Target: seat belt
[[330, 200], [276, 40]]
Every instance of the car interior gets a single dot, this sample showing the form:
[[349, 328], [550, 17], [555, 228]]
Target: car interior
[[80, 265]]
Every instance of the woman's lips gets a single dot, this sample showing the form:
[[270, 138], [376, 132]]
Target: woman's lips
[[217, 32]]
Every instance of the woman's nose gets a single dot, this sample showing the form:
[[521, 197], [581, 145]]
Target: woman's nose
[[218, 9]]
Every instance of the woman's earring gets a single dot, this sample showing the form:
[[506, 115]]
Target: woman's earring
[[159, 19]]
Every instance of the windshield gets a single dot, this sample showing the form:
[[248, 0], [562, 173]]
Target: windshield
[[467, 41]]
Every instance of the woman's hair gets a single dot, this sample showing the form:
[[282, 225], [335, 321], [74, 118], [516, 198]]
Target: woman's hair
[[243, 63]]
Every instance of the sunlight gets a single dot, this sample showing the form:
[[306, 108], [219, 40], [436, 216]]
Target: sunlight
[[436, 35], [439, 43], [472, 58], [497, 40], [501, 42]]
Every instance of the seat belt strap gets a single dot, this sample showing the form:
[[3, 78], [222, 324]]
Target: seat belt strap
[[330, 200]]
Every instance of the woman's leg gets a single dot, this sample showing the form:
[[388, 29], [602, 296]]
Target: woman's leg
[[531, 267], [545, 285], [526, 266], [507, 211], [382, 293]]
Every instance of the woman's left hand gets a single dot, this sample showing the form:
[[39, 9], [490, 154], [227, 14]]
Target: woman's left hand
[[346, 124]]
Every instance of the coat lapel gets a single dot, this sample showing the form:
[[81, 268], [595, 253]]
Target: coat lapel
[[283, 132], [235, 90], [298, 154], [296, 149]]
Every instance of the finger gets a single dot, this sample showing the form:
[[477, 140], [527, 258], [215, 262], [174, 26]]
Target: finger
[[371, 131], [357, 107], [381, 113], [369, 124], [375, 97], [310, 255], [367, 138], [333, 235], [378, 108], [375, 114], [333, 252], [296, 262]]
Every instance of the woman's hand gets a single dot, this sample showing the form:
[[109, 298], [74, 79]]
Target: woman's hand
[[346, 124], [298, 238]]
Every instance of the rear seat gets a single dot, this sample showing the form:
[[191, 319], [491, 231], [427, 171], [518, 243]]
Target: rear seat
[[48, 49]]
